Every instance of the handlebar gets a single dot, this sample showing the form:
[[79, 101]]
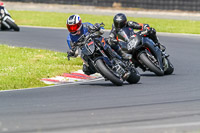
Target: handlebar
[[92, 33]]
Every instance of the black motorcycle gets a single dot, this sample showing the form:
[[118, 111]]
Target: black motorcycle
[[108, 64], [6, 22], [145, 53]]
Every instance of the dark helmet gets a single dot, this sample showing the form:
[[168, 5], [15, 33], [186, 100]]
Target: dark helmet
[[119, 20], [74, 23]]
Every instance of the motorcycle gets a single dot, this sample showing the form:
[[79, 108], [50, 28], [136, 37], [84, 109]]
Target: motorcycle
[[145, 53], [108, 64], [6, 22]]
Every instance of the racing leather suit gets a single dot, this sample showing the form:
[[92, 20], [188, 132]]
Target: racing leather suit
[[73, 39], [73, 50], [151, 33]]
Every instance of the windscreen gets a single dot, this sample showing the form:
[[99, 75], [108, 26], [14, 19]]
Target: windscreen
[[125, 33]]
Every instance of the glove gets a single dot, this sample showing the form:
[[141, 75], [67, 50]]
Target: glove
[[97, 26], [72, 52], [145, 30], [146, 27]]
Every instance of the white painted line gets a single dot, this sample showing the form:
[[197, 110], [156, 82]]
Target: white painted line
[[161, 33], [40, 27], [23, 89], [169, 125]]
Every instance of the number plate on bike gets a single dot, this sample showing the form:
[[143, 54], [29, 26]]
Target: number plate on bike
[[131, 44]]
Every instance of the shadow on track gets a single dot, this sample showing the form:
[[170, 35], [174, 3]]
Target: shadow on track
[[153, 75], [107, 84]]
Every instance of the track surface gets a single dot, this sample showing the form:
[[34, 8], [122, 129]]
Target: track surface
[[155, 105]]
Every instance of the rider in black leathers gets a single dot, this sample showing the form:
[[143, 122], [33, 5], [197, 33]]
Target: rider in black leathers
[[120, 21]]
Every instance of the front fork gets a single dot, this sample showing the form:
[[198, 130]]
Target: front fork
[[4, 21]]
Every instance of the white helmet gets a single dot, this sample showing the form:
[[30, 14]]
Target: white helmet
[[74, 23]]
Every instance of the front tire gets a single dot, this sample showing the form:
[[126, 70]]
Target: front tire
[[12, 25], [103, 69], [170, 68], [145, 60]]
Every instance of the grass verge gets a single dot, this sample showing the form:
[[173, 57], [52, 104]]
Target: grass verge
[[24, 67], [53, 19]]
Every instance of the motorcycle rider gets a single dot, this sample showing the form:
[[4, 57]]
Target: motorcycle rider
[[120, 21], [4, 15], [1, 7], [77, 29]]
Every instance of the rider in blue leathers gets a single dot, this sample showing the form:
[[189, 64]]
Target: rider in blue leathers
[[72, 38], [77, 29]]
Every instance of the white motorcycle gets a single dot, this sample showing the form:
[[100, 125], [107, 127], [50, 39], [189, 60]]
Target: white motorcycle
[[6, 22]]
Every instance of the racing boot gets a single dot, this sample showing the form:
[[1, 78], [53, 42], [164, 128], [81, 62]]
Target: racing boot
[[88, 70], [152, 35], [161, 47], [119, 51], [112, 53]]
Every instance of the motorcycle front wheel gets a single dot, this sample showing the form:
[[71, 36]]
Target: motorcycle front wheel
[[104, 71], [149, 64], [12, 24], [170, 67]]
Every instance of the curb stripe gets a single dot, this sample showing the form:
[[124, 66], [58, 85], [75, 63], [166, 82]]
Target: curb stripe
[[52, 80], [78, 76], [73, 76], [83, 75]]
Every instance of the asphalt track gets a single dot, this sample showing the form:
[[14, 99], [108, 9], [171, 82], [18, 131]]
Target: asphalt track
[[168, 104]]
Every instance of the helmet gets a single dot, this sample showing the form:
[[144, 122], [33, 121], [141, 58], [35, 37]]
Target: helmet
[[119, 20], [74, 23], [1, 4]]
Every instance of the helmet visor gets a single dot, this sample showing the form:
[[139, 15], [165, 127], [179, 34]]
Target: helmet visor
[[74, 27]]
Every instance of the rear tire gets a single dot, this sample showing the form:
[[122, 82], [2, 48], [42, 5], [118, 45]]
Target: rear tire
[[12, 25], [134, 77], [103, 69], [145, 60]]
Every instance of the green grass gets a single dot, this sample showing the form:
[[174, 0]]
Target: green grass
[[25, 67], [52, 19]]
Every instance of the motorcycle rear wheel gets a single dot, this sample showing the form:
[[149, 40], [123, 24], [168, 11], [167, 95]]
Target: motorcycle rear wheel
[[134, 77], [12, 24], [152, 67], [104, 71]]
